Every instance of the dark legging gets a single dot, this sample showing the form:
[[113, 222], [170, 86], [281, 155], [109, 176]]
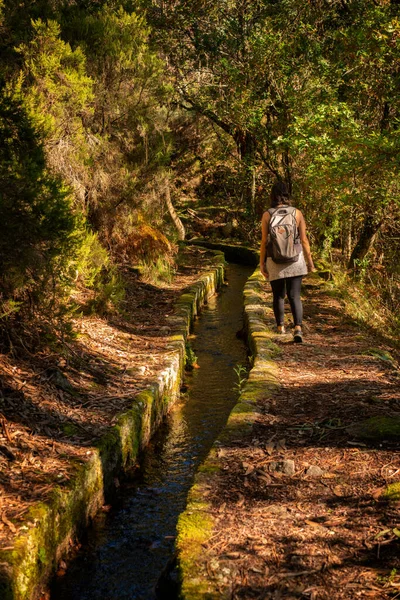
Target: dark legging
[[290, 286]]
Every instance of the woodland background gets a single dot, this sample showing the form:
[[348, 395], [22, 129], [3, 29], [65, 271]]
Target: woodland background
[[126, 125]]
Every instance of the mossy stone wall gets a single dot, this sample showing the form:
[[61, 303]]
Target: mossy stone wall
[[235, 253], [195, 525], [44, 540]]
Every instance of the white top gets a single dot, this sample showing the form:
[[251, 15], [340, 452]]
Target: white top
[[282, 270]]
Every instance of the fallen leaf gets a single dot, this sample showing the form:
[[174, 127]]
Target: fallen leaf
[[382, 533], [334, 522], [270, 445], [232, 555], [339, 491], [265, 478], [281, 445], [314, 524]]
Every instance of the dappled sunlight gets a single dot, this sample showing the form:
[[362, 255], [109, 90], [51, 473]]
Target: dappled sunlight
[[301, 509]]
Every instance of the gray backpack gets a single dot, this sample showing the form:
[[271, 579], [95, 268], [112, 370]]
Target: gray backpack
[[283, 244]]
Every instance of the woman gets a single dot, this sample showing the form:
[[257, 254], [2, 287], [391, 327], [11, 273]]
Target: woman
[[285, 278]]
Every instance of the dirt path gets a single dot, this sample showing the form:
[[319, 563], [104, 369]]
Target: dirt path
[[300, 508]]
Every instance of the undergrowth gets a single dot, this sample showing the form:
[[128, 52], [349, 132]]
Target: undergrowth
[[364, 301], [158, 272]]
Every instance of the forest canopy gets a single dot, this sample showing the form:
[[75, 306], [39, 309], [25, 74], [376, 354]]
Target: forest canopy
[[119, 121]]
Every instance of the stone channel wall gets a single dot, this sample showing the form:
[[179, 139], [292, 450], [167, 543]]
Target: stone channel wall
[[195, 525], [50, 526]]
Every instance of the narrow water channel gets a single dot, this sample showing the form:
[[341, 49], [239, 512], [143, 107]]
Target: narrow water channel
[[128, 549]]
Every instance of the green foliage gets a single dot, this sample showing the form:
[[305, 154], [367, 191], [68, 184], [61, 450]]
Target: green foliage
[[109, 294], [93, 270], [128, 127], [58, 89], [190, 357], [365, 301], [40, 229], [241, 373], [42, 556], [158, 272], [81, 119], [91, 261], [101, 101]]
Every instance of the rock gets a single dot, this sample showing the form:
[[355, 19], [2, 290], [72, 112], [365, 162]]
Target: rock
[[314, 471], [287, 467], [377, 429]]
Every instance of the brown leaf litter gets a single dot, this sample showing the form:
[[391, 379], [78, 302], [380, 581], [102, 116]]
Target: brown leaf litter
[[303, 514]]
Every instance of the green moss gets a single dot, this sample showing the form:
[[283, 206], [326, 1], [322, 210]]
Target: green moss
[[377, 429], [209, 467], [194, 527], [381, 354], [175, 338], [42, 556], [37, 512], [392, 492], [108, 441], [187, 298], [70, 429]]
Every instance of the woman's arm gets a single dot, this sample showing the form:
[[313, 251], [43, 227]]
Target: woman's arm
[[263, 248], [304, 242]]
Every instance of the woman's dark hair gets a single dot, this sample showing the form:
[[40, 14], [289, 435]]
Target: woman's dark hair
[[279, 194]]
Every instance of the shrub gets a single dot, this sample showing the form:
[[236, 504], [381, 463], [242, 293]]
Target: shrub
[[40, 230]]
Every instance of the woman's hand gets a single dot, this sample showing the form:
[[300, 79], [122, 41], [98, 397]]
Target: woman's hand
[[311, 268], [264, 271]]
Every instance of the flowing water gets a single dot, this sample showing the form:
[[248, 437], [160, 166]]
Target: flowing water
[[128, 549]]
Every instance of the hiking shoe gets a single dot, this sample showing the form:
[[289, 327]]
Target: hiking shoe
[[281, 331], [298, 336]]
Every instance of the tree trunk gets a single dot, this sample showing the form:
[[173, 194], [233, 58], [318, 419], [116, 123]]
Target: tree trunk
[[366, 239], [246, 147], [347, 237], [174, 216]]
